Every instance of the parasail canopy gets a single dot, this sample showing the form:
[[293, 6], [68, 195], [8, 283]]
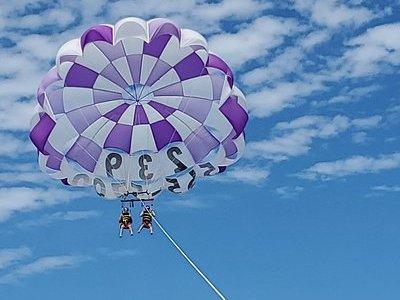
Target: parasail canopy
[[138, 107]]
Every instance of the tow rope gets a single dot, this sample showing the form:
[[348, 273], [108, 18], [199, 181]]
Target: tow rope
[[185, 256]]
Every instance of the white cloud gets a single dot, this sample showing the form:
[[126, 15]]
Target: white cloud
[[69, 216], [40, 266], [290, 61], [386, 188], [253, 40], [372, 52], [333, 13], [188, 203], [14, 173], [353, 95], [289, 192], [22, 167], [12, 146], [118, 254], [23, 199], [377, 51], [232, 8], [16, 115], [284, 64], [57, 18], [267, 101], [395, 109], [23, 177], [248, 174], [351, 166], [367, 123], [40, 46], [199, 15], [359, 137], [10, 256], [314, 38], [295, 138]]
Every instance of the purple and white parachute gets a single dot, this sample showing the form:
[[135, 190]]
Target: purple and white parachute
[[138, 106]]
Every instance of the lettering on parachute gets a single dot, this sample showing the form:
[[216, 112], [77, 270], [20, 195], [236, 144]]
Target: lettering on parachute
[[144, 165]]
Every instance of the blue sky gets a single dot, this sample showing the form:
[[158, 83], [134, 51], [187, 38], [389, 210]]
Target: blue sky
[[310, 212]]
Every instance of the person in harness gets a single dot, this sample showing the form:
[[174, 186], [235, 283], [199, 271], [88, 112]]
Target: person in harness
[[147, 217], [125, 221]]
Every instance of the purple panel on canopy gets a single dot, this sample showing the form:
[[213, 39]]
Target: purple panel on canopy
[[49, 78], [200, 143], [85, 152], [97, 33], [196, 47], [103, 96], [66, 58], [40, 133], [196, 108], [230, 148], [90, 147], [55, 158], [77, 120], [189, 67], [217, 63], [159, 70], [217, 84], [160, 26], [170, 90], [78, 154], [56, 101], [204, 72], [112, 52], [40, 99], [163, 109], [235, 114], [117, 112], [80, 76], [156, 46], [140, 116], [111, 73], [57, 85], [120, 137], [90, 114], [82, 118], [164, 133], [135, 64], [53, 163], [229, 145]]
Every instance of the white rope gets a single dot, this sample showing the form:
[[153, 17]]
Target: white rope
[[185, 256]]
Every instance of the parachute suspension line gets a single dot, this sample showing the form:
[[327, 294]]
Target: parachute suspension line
[[185, 256]]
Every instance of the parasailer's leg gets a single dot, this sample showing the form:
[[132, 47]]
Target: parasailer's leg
[[130, 229], [151, 228], [120, 231], [140, 228]]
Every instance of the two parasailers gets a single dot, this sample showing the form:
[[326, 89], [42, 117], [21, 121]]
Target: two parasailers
[[126, 221]]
